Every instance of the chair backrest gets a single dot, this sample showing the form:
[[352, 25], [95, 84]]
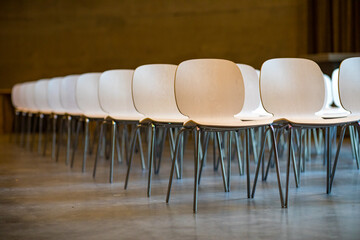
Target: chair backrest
[[87, 93], [291, 86], [349, 84], [209, 88], [15, 95], [22, 96], [153, 91], [115, 92], [335, 87], [328, 91], [54, 95], [41, 95], [252, 92], [67, 94], [30, 97]]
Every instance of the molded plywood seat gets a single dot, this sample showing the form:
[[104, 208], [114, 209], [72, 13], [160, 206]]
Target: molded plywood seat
[[210, 92]]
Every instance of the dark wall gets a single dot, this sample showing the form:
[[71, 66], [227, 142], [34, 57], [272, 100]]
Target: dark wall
[[43, 38]]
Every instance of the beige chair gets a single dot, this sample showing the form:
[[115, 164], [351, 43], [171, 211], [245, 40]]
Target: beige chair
[[154, 98], [87, 99], [349, 89], [300, 92], [115, 97], [210, 92]]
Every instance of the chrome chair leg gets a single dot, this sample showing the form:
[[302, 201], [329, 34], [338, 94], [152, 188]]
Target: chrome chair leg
[[332, 173], [277, 164], [132, 149], [247, 134], [86, 143], [222, 162], [196, 169], [288, 166], [76, 140], [237, 144], [60, 140], [41, 120], [152, 156], [174, 159], [260, 161], [98, 149], [68, 142], [113, 137], [53, 137]]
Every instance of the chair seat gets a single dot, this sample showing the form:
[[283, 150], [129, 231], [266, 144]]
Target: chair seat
[[59, 112], [97, 115], [332, 112], [227, 122], [317, 121], [74, 113], [46, 112], [166, 119], [127, 117], [254, 115]]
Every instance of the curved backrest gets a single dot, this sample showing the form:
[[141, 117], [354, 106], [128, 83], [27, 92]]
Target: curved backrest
[[41, 95], [328, 91], [115, 92], [22, 96], [30, 96], [335, 87], [87, 96], [15, 95], [252, 92], [349, 84], [153, 91], [54, 95], [292, 86], [67, 94], [209, 88]]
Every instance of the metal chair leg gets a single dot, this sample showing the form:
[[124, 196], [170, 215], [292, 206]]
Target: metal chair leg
[[86, 143], [174, 159], [260, 161], [132, 149], [277, 165], [98, 149], [288, 167], [222, 162], [30, 115], [53, 138], [41, 120], [332, 175], [68, 142], [152, 156], [113, 135], [60, 138], [196, 169], [76, 140]]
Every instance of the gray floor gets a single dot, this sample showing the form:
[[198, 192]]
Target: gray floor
[[41, 199]]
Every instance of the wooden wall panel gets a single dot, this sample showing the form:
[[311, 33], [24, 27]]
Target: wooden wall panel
[[44, 38]]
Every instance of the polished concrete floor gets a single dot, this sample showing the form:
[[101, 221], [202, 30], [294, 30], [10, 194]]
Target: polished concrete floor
[[41, 199]]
